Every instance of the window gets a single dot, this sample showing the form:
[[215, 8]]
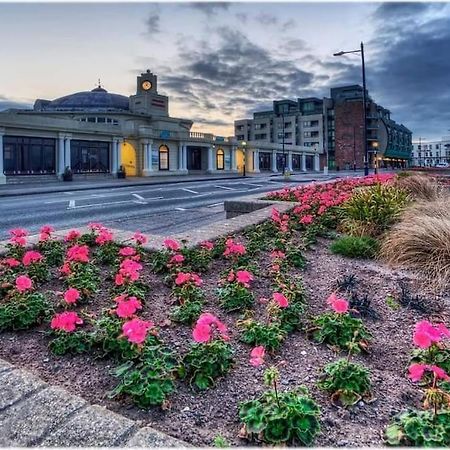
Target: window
[[163, 157], [28, 155], [260, 136], [89, 156], [260, 126], [220, 159], [310, 134], [240, 137]]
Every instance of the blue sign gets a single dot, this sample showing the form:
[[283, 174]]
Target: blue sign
[[165, 134], [220, 139]]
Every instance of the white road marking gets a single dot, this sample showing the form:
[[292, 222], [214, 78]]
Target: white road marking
[[71, 204], [189, 190], [225, 187], [180, 209], [215, 204], [139, 197], [252, 184], [68, 193], [96, 204]]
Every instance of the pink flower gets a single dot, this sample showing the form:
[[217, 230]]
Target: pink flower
[[11, 262], [65, 269], [18, 232], [232, 248], [72, 235], [182, 278], [72, 295], [257, 356], [244, 277], [277, 254], [104, 237], [339, 305], [19, 240], [207, 245], [426, 334], [46, 229], [135, 330], [176, 259], [203, 330], [95, 226], [23, 283], [140, 238], [307, 219], [31, 257], [126, 308], [416, 371], [281, 300], [127, 251], [171, 244], [78, 253], [66, 321]]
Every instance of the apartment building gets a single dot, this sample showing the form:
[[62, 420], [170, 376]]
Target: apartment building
[[431, 153]]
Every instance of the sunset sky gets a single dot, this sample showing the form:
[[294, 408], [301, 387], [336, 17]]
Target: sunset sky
[[221, 61]]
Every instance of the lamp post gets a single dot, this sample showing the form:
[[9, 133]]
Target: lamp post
[[284, 157], [366, 153], [244, 149], [375, 153]]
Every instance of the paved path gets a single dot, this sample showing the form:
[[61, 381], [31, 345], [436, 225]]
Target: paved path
[[33, 413]]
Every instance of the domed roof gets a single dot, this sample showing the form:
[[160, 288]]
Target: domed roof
[[98, 99]]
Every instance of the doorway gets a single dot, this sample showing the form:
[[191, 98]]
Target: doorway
[[128, 159], [194, 158]]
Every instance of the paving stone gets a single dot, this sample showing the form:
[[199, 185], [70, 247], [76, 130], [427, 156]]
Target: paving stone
[[15, 384], [29, 421], [91, 427], [148, 437]]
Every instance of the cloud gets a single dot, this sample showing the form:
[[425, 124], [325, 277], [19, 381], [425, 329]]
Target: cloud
[[242, 17], [266, 19], [294, 45], [152, 23], [9, 103], [209, 8]]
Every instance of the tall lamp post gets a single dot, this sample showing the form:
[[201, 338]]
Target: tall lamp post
[[366, 153], [244, 148]]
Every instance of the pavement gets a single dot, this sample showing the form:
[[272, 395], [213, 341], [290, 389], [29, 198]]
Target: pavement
[[33, 413], [159, 208]]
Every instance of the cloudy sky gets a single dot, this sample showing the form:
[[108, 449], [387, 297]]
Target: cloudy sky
[[221, 61]]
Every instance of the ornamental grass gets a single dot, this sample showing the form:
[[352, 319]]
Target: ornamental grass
[[420, 187], [421, 241]]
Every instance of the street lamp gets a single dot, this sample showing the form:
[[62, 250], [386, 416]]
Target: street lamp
[[375, 153], [366, 153], [244, 148]]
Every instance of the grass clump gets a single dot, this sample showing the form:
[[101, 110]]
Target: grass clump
[[355, 246], [420, 187]]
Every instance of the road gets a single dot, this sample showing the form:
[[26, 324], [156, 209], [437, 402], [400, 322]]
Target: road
[[162, 209]]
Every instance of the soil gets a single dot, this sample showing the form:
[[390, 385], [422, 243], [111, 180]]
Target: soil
[[198, 417]]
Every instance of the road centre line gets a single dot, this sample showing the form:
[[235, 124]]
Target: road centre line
[[225, 187], [96, 204], [180, 209], [189, 190], [215, 204], [139, 197]]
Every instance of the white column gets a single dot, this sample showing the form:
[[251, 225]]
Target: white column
[[2, 175], [115, 157], [148, 167], [256, 161], [303, 166], [316, 163], [210, 159], [185, 157], [289, 161], [67, 159], [61, 156], [233, 158], [274, 161], [180, 156]]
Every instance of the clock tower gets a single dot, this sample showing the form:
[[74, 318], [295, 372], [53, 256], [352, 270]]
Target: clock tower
[[147, 100]]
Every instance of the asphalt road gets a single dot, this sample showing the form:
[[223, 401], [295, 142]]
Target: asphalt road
[[162, 209]]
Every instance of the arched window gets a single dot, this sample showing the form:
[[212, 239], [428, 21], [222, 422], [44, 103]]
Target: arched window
[[220, 159], [163, 157]]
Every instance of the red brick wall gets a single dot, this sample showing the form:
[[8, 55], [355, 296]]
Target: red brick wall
[[349, 134]]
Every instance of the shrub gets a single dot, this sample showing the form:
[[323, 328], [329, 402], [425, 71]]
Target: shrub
[[76, 342], [420, 242], [53, 251], [355, 246], [23, 311], [420, 429], [84, 277], [420, 187], [234, 296], [149, 379], [270, 336], [346, 381], [286, 417], [187, 312], [372, 210]]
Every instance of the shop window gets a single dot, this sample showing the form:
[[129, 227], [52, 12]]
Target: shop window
[[220, 159], [163, 157]]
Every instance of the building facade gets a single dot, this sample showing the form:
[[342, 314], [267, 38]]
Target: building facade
[[431, 153], [96, 132], [329, 130]]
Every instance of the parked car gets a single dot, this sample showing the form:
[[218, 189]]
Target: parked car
[[443, 165]]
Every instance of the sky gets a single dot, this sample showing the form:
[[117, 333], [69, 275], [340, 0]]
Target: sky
[[219, 62]]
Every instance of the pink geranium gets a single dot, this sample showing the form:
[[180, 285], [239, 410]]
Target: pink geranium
[[207, 245], [72, 295], [307, 219], [104, 237], [95, 226], [205, 326], [23, 283], [171, 244], [426, 334], [72, 235], [416, 372], [281, 300], [31, 257], [66, 321], [127, 307], [244, 277], [233, 248], [128, 271], [140, 238], [45, 232], [257, 356], [277, 254], [11, 262], [186, 277], [339, 305], [176, 259], [78, 253], [127, 251], [136, 330]]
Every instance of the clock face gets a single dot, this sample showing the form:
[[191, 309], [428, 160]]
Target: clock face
[[146, 85]]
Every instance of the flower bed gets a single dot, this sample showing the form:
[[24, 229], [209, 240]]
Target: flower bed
[[215, 343]]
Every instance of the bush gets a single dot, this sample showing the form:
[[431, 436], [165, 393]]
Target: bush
[[420, 429], [270, 336], [420, 187], [64, 342], [355, 247], [286, 417], [372, 210], [346, 381], [420, 241]]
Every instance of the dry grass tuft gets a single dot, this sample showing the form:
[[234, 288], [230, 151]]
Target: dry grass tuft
[[421, 241], [420, 187]]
